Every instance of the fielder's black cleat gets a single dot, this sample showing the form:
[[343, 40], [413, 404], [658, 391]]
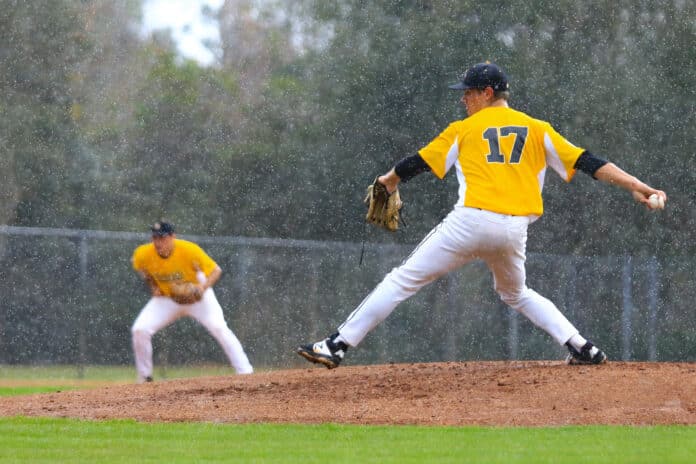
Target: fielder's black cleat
[[326, 352], [148, 379], [589, 354]]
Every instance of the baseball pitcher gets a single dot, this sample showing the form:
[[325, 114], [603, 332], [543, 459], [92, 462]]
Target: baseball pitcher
[[501, 157], [180, 276]]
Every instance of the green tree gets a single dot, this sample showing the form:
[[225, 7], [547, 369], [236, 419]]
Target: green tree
[[43, 45], [169, 166], [104, 88]]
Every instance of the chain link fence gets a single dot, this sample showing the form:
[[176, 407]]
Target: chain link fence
[[70, 297]]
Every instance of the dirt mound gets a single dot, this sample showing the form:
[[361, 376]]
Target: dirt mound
[[529, 393]]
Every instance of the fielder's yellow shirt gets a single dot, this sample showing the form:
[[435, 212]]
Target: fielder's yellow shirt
[[182, 265], [501, 155]]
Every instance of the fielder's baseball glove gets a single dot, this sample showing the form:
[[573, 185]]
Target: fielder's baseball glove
[[383, 207], [185, 292]]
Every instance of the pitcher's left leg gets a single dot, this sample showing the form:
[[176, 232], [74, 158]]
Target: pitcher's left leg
[[435, 256]]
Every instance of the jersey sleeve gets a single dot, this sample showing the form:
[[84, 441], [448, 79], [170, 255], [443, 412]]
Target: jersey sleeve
[[137, 259], [204, 262], [561, 155], [442, 152]]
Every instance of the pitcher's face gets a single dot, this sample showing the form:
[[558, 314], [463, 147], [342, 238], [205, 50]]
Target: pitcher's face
[[475, 100]]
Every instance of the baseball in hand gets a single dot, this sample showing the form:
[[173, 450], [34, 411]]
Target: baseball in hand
[[656, 202]]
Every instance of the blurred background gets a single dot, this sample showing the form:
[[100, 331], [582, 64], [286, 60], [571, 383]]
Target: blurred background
[[255, 127]]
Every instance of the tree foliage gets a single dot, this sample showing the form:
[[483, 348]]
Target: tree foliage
[[41, 146]]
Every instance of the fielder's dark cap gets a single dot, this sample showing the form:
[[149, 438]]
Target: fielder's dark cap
[[162, 228], [483, 75]]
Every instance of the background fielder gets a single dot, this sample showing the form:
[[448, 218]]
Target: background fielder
[[167, 262], [501, 158]]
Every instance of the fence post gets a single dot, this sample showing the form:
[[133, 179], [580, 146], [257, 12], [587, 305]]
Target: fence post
[[652, 307], [627, 314], [513, 333], [453, 346], [82, 301]]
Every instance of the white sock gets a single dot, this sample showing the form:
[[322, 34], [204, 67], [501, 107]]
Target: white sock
[[577, 341]]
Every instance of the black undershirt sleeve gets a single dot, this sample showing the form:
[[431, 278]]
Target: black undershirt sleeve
[[589, 163], [410, 167]]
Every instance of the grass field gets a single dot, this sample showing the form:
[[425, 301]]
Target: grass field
[[40, 440], [104, 373], [23, 380]]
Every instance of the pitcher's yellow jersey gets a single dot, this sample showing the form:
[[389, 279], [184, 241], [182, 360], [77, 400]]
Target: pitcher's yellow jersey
[[501, 156], [182, 265]]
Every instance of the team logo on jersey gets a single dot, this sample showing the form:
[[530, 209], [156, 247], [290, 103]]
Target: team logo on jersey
[[168, 277]]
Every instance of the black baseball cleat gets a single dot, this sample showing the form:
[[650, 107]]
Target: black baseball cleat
[[326, 352], [589, 354]]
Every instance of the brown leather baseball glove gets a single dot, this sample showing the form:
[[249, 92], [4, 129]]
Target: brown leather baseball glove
[[185, 292], [383, 207]]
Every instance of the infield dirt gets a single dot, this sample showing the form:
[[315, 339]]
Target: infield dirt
[[526, 393]]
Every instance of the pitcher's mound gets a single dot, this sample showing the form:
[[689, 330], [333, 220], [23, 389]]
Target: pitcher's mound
[[525, 393]]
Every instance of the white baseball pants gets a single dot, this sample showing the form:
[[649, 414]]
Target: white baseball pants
[[466, 234], [161, 311]]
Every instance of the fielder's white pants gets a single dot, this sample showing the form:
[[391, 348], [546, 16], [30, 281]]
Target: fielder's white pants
[[161, 311], [466, 234]]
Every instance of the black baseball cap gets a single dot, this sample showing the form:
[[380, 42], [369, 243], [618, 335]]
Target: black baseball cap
[[482, 75], [162, 228]]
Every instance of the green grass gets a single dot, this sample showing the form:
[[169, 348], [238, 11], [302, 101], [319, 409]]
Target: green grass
[[13, 391], [72, 441], [106, 373], [25, 380]]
